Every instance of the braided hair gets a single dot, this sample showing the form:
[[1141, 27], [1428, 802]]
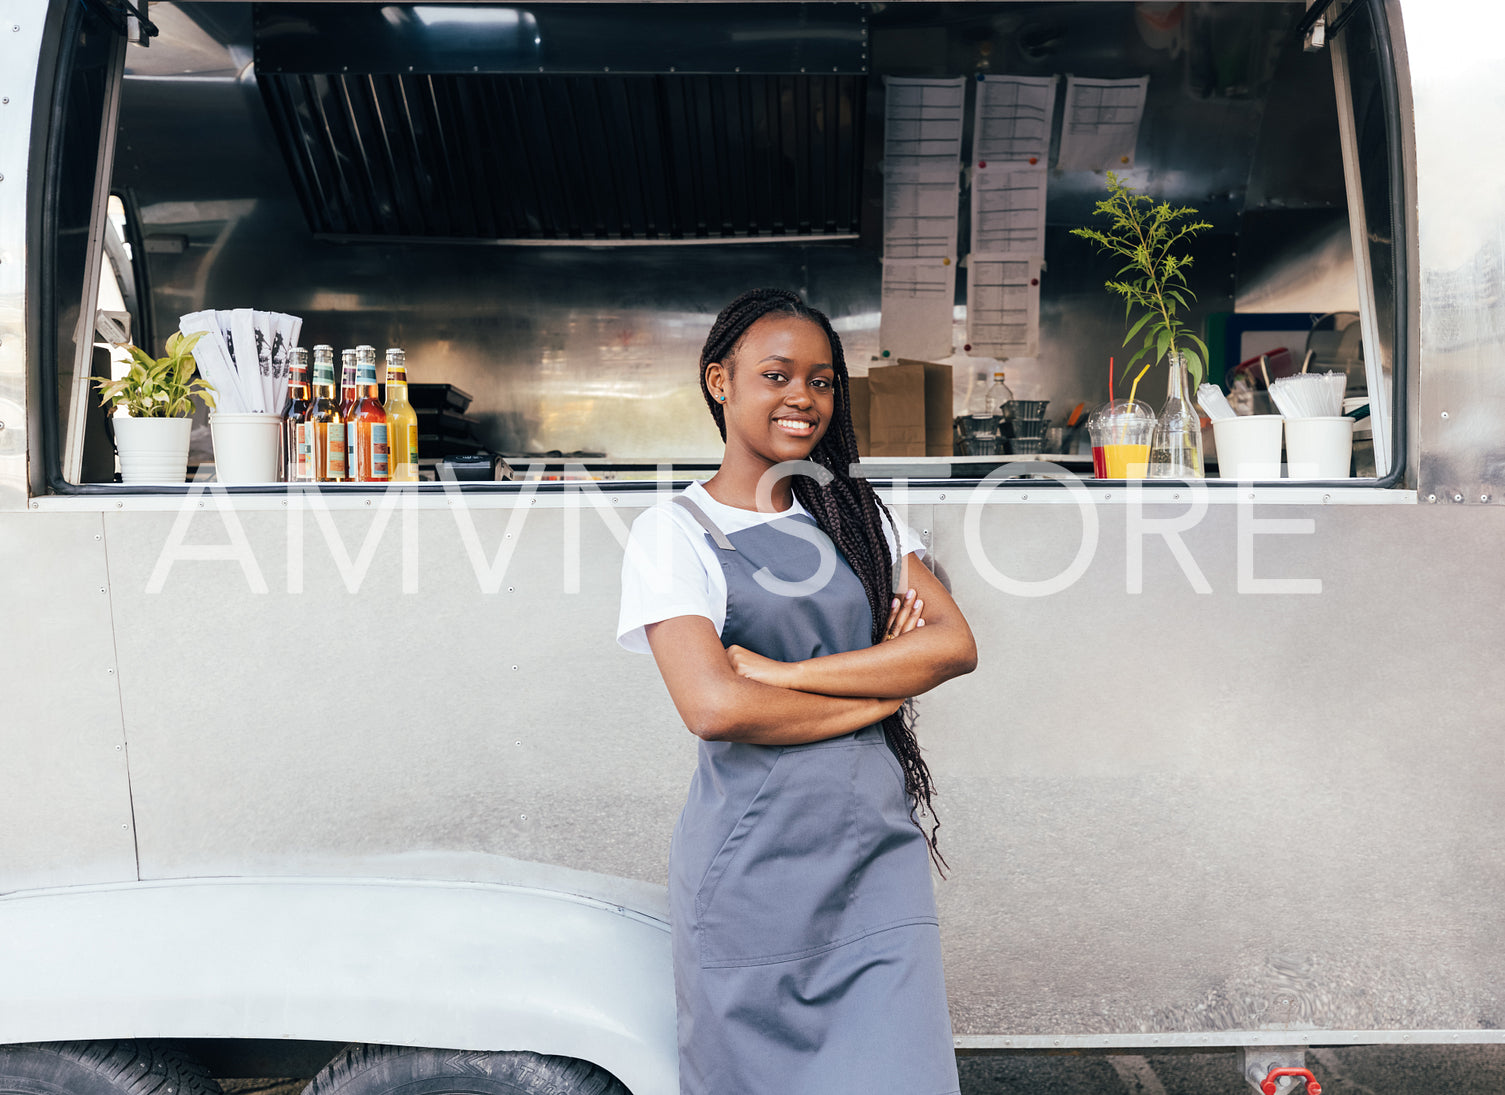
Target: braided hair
[[847, 509]]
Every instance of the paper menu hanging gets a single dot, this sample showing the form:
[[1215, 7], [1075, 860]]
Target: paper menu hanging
[[917, 307], [1012, 118], [1008, 209], [922, 121], [1100, 123], [1003, 306], [920, 212]]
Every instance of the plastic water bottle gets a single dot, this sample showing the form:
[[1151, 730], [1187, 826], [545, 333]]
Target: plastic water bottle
[[984, 413]]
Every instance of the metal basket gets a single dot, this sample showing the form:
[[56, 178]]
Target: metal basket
[[1030, 428], [1025, 408]]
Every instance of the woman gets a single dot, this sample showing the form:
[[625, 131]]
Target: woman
[[806, 951]]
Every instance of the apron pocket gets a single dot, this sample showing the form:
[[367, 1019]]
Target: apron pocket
[[783, 882]]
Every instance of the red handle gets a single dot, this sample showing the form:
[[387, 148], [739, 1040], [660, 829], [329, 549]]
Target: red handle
[[1267, 1085]]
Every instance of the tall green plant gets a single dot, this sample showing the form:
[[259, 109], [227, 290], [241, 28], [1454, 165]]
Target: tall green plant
[[159, 387], [1154, 278]]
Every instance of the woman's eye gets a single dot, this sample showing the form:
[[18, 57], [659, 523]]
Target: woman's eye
[[821, 382], [774, 376]]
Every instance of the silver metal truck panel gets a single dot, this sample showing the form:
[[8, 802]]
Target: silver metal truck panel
[[423, 963], [65, 802], [20, 49], [1300, 832], [1459, 90]]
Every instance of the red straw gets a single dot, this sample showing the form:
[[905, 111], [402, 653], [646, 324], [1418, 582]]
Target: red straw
[[1110, 380]]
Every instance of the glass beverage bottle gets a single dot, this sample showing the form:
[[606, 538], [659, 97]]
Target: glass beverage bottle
[[402, 420], [366, 425], [324, 429], [347, 383], [296, 465], [1176, 445]]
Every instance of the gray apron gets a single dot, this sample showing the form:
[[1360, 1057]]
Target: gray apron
[[807, 959]]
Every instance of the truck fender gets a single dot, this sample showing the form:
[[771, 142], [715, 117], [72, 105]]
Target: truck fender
[[455, 965]]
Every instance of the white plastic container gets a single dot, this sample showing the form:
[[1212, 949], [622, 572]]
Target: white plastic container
[[152, 450], [247, 447], [1319, 448], [1248, 446]]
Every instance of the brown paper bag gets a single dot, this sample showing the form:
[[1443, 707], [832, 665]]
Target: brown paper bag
[[909, 408], [857, 388]]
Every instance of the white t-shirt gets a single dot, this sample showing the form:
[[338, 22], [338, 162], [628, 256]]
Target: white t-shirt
[[670, 568]]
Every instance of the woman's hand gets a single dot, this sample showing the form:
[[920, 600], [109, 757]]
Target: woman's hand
[[904, 615], [755, 667]]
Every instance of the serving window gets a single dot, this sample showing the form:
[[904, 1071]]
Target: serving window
[[546, 216]]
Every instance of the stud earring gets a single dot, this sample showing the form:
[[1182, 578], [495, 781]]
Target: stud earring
[[721, 398]]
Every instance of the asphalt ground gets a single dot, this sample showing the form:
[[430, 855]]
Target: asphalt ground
[[1345, 1070]]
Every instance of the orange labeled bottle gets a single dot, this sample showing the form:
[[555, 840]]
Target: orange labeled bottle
[[402, 420], [366, 426], [324, 429]]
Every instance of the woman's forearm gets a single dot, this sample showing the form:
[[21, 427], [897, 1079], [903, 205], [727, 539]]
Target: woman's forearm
[[907, 665], [762, 714]]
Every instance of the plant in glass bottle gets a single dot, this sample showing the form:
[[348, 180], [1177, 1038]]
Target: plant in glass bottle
[[1153, 282]]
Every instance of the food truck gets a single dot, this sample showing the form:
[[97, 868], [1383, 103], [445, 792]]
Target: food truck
[[351, 782]]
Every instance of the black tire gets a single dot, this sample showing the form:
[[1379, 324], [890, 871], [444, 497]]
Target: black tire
[[100, 1068], [398, 1070]]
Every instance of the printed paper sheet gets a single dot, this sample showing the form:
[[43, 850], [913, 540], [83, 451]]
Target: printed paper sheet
[[1008, 209], [1012, 118], [922, 122], [1003, 306], [919, 212], [917, 308], [1100, 126]]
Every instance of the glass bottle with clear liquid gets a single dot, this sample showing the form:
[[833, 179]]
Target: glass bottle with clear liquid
[[1176, 444], [984, 412]]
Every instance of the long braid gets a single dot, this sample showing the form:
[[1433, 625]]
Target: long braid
[[847, 509]]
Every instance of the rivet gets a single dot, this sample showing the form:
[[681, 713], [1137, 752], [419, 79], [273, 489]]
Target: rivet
[[111, 672], [517, 743], [1327, 498], [509, 589], [943, 498], [103, 590], [201, 505], [96, 536], [1444, 414], [523, 816], [1024, 498], [1484, 498], [514, 669], [1431, 498], [5, 100], [127, 827], [613, 498], [1175, 498], [1457, 498], [118, 505], [368, 501]]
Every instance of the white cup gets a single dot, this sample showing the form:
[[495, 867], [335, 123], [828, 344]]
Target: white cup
[[247, 447], [1248, 446], [1319, 448]]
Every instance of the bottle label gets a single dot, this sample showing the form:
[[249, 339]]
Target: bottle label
[[335, 452], [302, 443], [380, 456]]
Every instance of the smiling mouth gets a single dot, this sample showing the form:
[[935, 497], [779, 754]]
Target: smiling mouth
[[795, 427]]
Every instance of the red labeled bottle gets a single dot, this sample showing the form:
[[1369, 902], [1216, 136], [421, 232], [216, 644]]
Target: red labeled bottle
[[366, 424]]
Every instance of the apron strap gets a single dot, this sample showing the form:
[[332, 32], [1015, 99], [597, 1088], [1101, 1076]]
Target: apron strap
[[706, 523]]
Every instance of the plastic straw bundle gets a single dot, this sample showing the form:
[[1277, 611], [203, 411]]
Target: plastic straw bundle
[[1212, 400], [245, 356], [1309, 395]]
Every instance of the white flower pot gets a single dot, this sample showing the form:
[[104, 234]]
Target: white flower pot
[[152, 450]]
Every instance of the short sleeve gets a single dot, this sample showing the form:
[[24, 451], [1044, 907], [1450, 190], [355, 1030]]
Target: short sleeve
[[908, 539], [663, 576]]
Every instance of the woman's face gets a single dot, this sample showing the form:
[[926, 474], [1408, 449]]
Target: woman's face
[[781, 392]]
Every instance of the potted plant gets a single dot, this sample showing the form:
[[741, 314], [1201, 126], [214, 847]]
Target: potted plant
[[1153, 281], [157, 394]]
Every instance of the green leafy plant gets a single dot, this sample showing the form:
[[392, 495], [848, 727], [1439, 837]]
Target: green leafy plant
[[163, 387], [1154, 278]]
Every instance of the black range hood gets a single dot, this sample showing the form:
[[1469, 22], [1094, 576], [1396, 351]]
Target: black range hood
[[392, 127]]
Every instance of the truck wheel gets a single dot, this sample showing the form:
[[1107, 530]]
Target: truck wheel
[[398, 1070], [100, 1068]]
